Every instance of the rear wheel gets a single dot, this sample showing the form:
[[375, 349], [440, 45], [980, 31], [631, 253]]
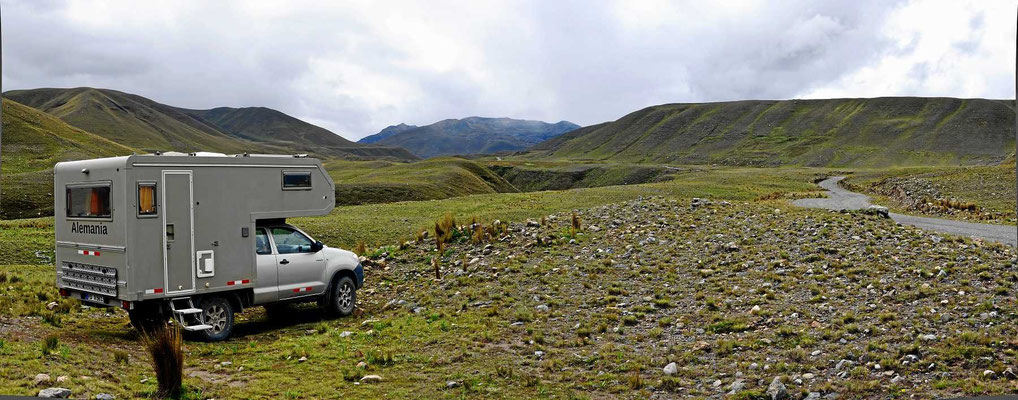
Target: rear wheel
[[219, 314], [342, 297]]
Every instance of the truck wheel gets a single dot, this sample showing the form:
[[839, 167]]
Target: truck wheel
[[219, 314], [342, 297]]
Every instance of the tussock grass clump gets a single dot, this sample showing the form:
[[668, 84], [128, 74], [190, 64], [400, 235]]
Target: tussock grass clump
[[165, 346], [49, 344], [120, 357], [361, 249], [575, 225]]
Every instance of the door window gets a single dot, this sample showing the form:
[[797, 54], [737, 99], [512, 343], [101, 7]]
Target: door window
[[290, 241], [262, 242]]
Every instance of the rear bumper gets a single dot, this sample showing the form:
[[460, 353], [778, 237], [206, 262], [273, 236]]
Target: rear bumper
[[359, 273]]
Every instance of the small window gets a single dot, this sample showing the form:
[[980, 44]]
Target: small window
[[146, 199], [91, 201], [262, 242], [296, 180]]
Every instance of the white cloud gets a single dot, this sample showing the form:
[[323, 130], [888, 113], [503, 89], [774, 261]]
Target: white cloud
[[356, 66]]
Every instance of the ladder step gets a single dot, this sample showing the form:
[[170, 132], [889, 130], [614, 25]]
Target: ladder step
[[188, 311], [194, 328]]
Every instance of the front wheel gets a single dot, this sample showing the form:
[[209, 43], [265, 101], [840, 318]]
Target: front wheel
[[342, 297], [219, 314]]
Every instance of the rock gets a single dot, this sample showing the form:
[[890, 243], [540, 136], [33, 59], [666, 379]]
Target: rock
[[989, 374], [807, 376], [844, 364], [776, 390], [878, 211], [371, 379], [345, 334], [812, 396], [226, 363], [736, 387], [909, 359], [532, 223], [62, 379], [716, 383], [543, 308], [55, 393], [105, 396], [452, 385], [1009, 373], [362, 365], [755, 310], [928, 337], [302, 359], [539, 354], [419, 310], [51, 305], [40, 379], [671, 369]]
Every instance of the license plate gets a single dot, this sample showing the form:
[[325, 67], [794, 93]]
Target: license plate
[[94, 298]]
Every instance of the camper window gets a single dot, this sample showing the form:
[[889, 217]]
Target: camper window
[[146, 199], [92, 201], [296, 180]]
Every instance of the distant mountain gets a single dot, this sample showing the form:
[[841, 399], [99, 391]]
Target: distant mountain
[[149, 126], [32, 142], [389, 131], [474, 135], [877, 132]]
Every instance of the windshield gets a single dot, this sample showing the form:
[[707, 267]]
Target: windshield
[[89, 201]]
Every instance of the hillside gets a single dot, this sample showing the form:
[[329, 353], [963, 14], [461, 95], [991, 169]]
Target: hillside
[[473, 135], [32, 142], [878, 132], [150, 126], [359, 182]]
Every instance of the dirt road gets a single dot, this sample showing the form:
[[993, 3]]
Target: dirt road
[[841, 199]]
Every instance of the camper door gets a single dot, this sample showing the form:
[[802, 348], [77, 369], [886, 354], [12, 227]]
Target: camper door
[[178, 231]]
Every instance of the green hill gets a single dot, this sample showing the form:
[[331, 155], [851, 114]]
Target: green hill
[[473, 135], [32, 142], [150, 126], [878, 132], [359, 182]]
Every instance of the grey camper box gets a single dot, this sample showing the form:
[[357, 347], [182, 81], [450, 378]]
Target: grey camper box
[[162, 234]]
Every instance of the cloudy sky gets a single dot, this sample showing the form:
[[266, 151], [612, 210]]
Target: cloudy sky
[[356, 67]]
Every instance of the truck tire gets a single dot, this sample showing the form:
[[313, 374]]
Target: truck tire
[[218, 313], [342, 297]]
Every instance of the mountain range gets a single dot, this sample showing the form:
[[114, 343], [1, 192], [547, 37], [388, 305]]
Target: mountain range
[[872, 132], [473, 135], [149, 126]]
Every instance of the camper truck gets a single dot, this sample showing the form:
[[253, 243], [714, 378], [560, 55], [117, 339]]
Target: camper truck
[[195, 238]]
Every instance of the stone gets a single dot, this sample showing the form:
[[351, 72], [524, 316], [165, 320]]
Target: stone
[[371, 379], [452, 384], [539, 354], [807, 376], [543, 308], [880, 211], [345, 334], [812, 396], [671, 369], [989, 374], [777, 391], [62, 379], [302, 359], [105, 396], [40, 379], [844, 364], [362, 365], [928, 337], [51, 305], [736, 387], [55, 393]]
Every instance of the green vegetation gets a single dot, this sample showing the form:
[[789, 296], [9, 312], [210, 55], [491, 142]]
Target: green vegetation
[[382, 181], [880, 132]]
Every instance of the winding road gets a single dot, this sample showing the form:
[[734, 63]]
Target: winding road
[[841, 199]]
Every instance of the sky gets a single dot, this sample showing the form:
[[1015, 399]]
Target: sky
[[355, 67]]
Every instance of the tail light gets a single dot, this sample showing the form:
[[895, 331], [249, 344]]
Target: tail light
[[64, 293], [126, 305]]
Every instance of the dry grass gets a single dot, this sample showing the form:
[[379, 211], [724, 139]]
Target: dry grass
[[164, 345]]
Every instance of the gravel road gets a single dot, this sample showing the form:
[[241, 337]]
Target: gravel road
[[841, 199]]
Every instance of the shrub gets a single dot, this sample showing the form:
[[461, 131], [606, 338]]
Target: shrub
[[361, 249], [49, 344], [120, 356], [164, 345]]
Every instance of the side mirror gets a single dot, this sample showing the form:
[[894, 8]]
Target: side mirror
[[316, 247]]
